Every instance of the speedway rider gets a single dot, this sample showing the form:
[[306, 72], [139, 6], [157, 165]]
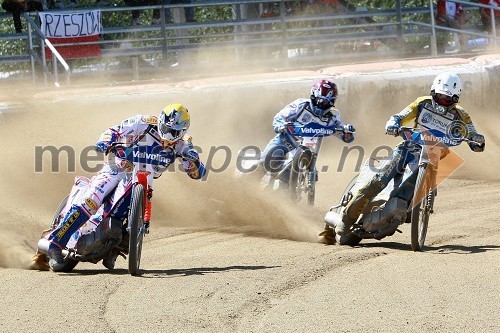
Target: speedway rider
[[440, 111], [163, 139], [317, 108]]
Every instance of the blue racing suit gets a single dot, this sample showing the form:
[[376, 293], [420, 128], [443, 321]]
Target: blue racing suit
[[299, 112]]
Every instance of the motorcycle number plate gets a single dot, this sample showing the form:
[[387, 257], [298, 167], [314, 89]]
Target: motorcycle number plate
[[310, 142]]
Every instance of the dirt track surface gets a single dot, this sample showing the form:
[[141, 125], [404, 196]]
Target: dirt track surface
[[224, 256]]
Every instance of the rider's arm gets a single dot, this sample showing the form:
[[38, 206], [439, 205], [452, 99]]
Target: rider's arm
[[407, 117], [479, 142], [189, 158], [288, 114], [347, 134], [126, 129]]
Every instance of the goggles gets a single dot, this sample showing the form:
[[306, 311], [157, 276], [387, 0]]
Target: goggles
[[445, 100]]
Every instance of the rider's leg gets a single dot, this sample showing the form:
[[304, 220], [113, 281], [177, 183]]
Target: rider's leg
[[273, 156], [393, 165], [100, 186]]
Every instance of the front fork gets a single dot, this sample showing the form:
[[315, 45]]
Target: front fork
[[147, 209], [312, 174]]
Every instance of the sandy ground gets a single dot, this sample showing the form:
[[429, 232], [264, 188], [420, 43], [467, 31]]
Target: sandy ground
[[224, 256]]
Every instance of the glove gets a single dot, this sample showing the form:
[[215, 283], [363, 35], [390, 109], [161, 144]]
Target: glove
[[280, 129], [392, 126], [190, 155], [477, 138], [478, 143], [477, 147], [102, 147], [348, 128], [392, 130]]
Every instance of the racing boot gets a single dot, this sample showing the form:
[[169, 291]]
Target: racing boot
[[351, 213], [56, 260], [109, 261]]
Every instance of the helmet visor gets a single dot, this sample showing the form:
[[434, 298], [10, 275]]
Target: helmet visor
[[168, 133], [323, 103]]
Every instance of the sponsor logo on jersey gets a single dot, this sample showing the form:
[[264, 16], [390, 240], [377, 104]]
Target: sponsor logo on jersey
[[91, 204], [429, 138], [151, 157], [68, 224], [150, 120], [316, 131], [306, 118], [433, 121]]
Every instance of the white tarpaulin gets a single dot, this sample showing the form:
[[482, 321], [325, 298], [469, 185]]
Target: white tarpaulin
[[70, 25]]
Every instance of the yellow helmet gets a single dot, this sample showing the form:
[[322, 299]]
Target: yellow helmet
[[173, 122]]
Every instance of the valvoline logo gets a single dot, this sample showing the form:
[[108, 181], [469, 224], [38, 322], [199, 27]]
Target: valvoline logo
[[311, 130], [153, 155], [435, 136]]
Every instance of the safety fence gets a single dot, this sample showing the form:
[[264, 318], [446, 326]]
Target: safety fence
[[226, 35]]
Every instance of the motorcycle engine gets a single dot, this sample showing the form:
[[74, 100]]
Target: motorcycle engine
[[381, 218], [92, 242]]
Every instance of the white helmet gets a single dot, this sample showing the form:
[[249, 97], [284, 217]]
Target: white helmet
[[446, 89]]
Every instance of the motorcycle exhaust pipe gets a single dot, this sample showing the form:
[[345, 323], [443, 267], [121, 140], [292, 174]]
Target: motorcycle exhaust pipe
[[43, 247], [333, 218]]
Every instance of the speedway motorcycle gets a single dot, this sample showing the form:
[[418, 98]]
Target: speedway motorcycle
[[299, 174], [118, 227], [406, 199]]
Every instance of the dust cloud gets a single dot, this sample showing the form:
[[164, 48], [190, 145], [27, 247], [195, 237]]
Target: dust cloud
[[234, 119]]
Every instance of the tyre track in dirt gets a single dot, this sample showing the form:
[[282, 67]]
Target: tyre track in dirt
[[256, 265]]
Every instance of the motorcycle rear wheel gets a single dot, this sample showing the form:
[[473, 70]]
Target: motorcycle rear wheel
[[421, 211], [136, 227], [299, 186], [69, 263]]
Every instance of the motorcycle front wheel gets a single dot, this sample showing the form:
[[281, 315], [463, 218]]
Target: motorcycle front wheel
[[301, 188], [421, 209], [135, 229]]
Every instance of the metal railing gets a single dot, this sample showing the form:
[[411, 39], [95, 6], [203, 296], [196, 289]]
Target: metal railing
[[243, 37], [41, 59]]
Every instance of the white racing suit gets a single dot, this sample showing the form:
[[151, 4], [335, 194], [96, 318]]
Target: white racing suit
[[146, 151], [422, 113], [299, 112]]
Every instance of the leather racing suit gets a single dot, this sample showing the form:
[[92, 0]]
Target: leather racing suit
[[299, 112], [140, 133], [421, 113]]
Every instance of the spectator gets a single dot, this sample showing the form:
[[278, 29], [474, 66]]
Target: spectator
[[136, 13], [188, 11], [450, 14], [18, 7], [486, 13], [268, 10]]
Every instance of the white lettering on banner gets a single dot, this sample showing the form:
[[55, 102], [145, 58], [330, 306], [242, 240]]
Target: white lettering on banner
[[69, 25]]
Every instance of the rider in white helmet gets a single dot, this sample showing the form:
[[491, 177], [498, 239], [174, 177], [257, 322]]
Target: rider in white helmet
[[439, 111], [164, 140]]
